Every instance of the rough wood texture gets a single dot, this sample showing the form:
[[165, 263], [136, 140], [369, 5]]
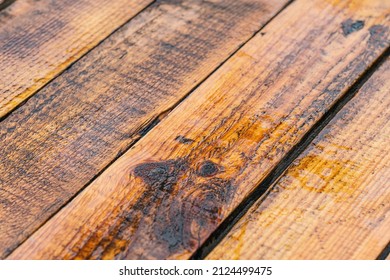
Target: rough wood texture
[[333, 202], [39, 39], [175, 186], [68, 132]]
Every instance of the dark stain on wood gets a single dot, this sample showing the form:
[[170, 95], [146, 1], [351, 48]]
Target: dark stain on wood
[[177, 203], [161, 175], [349, 26], [184, 140], [378, 35], [339, 171], [81, 121], [32, 39], [182, 216], [200, 211], [208, 169]]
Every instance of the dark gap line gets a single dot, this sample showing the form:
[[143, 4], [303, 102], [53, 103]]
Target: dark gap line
[[385, 252], [149, 126], [70, 65], [5, 4], [261, 191]]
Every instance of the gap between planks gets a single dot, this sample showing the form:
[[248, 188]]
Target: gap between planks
[[79, 104], [365, 117], [132, 193], [261, 192], [5, 4]]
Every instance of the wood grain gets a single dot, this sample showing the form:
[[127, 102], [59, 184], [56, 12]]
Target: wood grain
[[333, 202], [39, 39], [68, 132], [165, 196]]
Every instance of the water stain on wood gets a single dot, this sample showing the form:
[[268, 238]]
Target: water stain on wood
[[97, 108], [208, 169], [170, 197], [184, 140], [378, 35], [174, 217], [334, 192], [161, 174], [308, 174], [349, 26]]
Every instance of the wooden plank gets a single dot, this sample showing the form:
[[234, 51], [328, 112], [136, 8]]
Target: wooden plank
[[333, 202], [68, 132], [39, 39], [165, 196]]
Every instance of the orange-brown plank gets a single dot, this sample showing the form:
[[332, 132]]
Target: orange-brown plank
[[39, 39], [165, 196], [333, 202], [68, 132]]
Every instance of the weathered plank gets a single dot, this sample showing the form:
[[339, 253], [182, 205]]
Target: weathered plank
[[165, 196], [333, 202], [68, 132], [39, 39]]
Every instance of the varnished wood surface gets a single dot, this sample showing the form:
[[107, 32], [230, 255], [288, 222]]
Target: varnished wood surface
[[39, 39], [68, 132], [165, 196], [333, 202]]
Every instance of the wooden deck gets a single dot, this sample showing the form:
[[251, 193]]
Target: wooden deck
[[219, 129]]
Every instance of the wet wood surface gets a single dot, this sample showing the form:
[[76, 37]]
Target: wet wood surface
[[175, 186], [67, 133], [333, 201], [39, 39]]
